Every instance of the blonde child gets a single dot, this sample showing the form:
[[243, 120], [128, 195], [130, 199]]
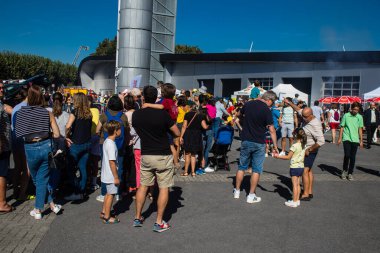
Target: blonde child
[[109, 175], [296, 156]]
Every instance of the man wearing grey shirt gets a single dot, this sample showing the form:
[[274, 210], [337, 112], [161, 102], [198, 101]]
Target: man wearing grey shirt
[[315, 139], [220, 111]]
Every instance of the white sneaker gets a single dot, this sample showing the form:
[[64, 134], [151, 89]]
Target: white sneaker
[[100, 198], [36, 214], [253, 199], [117, 197], [291, 203], [56, 209], [282, 153], [266, 155], [74, 196], [297, 202], [236, 194], [209, 169]]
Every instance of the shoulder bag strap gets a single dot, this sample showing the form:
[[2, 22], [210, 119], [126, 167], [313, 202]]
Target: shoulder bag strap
[[191, 120]]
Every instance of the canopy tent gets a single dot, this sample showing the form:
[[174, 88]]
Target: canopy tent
[[287, 90], [372, 94], [247, 91]]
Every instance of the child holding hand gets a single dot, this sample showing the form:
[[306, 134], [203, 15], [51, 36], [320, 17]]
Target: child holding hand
[[296, 156], [109, 175]]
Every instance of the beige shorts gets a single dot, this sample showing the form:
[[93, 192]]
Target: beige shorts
[[157, 166]]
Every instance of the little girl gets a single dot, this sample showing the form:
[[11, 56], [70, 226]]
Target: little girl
[[296, 156]]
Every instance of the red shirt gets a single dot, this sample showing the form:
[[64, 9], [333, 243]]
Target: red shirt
[[171, 108]]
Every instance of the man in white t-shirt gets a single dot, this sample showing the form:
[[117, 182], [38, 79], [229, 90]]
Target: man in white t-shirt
[[109, 175], [289, 121]]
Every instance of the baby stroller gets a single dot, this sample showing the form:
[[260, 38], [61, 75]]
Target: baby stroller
[[221, 147]]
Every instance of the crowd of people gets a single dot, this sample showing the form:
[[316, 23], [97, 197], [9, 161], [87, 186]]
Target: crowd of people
[[142, 135]]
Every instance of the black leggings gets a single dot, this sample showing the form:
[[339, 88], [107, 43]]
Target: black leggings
[[350, 149]]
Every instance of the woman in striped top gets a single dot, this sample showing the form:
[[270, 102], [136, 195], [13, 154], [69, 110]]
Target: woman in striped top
[[33, 123]]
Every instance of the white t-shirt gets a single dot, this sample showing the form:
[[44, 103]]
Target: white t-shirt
[[332, 119], [109, 154]]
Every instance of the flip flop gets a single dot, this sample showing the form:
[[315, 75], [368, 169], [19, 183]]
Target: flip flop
[[11, 208], [184, 174]]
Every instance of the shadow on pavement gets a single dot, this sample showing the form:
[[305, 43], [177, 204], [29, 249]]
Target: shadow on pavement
[[330, 169], [284, 192], [369, 171], [123, 205], [175, 197]]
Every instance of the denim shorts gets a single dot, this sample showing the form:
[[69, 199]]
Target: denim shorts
[[111, 189], [252, 153], [296, 172], [4, 163], [309, 160]]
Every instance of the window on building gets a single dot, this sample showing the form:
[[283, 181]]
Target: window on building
[[340, 86], [266, 83]]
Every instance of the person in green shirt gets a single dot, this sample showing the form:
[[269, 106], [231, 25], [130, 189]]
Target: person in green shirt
[[351, 131]]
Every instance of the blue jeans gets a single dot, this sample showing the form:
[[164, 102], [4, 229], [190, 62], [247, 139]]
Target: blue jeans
[[78, 158], [215, 126], [37, 159], [207, 144], [252, 153], [120, 170]]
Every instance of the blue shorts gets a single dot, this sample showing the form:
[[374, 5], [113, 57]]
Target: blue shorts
[[4, 163], [296, 172], [309, 160], [252, 153]]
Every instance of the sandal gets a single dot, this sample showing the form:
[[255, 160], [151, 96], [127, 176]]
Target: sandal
[[184, 174], [193, 174], [111, 220], [8, 210]]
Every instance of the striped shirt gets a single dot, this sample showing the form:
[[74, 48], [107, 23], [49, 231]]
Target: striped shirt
[[32, 120]]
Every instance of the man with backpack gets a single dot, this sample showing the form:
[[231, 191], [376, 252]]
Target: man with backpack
[[114, 112]]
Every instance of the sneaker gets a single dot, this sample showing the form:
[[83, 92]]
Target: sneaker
[[100, 198], [36, 214], [95, 187], [297, 202], [74, 196], [200, 172], [350, 177], [236, 194], [266, 155], [161, 227], [343, 175], [117, 197], [138, 222], [56, 209], [291, 203], [253, 199], [282, 153], [209, 169]]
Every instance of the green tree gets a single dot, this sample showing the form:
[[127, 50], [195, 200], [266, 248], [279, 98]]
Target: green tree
[[23, 66], [186, 49], [106, 47]]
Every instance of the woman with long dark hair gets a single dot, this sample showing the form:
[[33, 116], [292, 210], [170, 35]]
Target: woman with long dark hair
[[33, 123], [78, 137]]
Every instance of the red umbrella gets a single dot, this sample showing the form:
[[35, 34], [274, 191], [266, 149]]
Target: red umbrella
[[356, 99], [376, 100], [326, 100], [342, 100]]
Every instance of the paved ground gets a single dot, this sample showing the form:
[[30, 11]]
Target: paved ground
[[343, 216]]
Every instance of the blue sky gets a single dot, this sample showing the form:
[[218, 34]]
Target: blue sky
[[56, 29]]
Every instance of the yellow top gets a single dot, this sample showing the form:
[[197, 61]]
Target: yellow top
[[95, 119], [181, 114], [298, 157]]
